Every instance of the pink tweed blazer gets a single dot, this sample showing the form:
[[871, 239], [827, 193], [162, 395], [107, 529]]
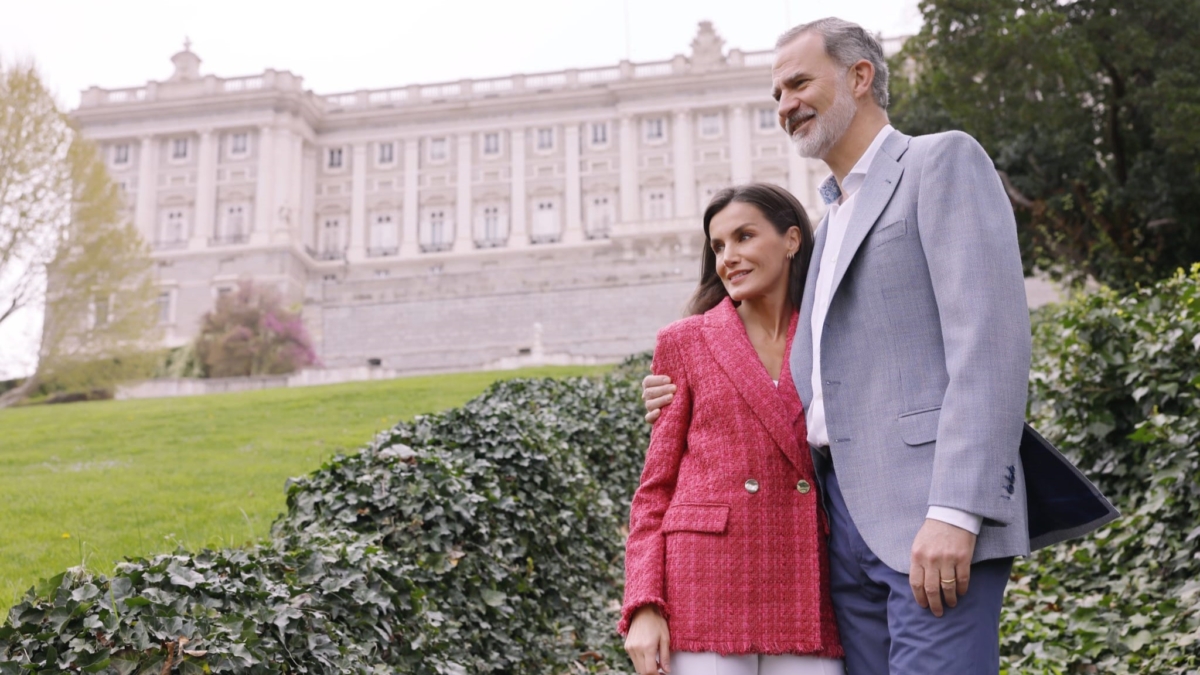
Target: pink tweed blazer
[[727, 536]]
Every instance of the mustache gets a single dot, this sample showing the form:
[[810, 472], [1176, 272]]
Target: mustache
[[796, 118]]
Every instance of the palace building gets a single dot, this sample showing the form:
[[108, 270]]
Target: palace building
[[450, 225]]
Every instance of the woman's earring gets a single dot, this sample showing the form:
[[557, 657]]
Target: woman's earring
[[791, 255]]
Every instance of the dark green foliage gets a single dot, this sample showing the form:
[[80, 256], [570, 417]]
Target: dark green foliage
[[488, 539], [1117, 385], [1090, 107]]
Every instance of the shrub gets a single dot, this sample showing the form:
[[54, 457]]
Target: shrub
[[1116, 385], [249, 332], [487, 539]]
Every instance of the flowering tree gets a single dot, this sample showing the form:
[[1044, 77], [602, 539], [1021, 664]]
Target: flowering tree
[[250, 332]]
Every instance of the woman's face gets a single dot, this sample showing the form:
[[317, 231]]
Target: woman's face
[[752, 257]]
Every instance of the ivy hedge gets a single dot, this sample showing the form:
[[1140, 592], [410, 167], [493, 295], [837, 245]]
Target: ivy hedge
[[486, 539], [1116, 384], [489, 539]]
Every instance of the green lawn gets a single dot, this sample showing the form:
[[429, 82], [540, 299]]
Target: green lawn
[[95, 482]]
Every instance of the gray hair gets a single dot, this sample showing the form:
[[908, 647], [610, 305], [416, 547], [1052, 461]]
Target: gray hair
[[847, 43]]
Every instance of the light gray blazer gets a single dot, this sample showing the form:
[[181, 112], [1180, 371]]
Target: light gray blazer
[[926, 348]]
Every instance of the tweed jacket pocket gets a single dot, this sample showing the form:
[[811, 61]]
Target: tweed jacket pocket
[[709, 518], [886, 233], [920, 426]]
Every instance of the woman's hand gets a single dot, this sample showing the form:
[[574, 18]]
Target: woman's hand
[[657, 391], [649, 641]]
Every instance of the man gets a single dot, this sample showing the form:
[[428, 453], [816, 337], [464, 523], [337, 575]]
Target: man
[[912, 361]]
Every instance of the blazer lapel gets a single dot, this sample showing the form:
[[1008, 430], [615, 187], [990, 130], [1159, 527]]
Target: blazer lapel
[[802, 346], [730, 347], [882, 178]]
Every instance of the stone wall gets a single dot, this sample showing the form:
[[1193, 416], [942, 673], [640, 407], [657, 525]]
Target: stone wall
[[603, 301]]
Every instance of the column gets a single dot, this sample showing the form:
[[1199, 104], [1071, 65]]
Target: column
[[412, 166], [264, 187], [464, 239], [573, 223], [518, 232], [147, 194], [286, 179], [204, 227], [308, 194], [358, 204], [739, 145], [630, 213], [685, 168]]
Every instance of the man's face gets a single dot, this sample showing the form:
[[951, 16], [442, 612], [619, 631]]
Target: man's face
[[816, 105]]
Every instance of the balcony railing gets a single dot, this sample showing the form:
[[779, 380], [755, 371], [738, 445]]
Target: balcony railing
[[228, 239], [382, 251], [170, 245], [436, 246], [491, 242]]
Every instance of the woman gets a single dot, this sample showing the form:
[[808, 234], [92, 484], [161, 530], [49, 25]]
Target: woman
[[725, 567]]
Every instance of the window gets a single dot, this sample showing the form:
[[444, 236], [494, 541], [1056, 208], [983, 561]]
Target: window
[[331, 238], [239, 143], [545, 222], [383, 235], [545, 139], [235, 224], [437, 149], [335, 158], [654, 129], [710, 125], [766, 119], [164, 307], [387, 153], [179, 148], [434, 237], [657, 207], [121, 153], [173, 227], [491, 225], [600, 218], [599, 133], [491, 143]]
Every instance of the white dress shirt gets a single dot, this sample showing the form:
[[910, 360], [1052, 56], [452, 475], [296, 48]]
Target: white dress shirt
[[840, 213]]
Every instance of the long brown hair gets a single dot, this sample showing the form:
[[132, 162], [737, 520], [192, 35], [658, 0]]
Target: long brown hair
[[783, 211]]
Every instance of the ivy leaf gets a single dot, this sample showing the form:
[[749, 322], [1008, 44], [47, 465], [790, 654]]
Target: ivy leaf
[[492, 598]]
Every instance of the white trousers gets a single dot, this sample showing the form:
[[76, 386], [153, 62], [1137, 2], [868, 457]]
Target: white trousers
[[709, 663]]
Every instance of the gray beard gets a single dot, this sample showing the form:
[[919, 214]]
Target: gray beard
[[827, 128]]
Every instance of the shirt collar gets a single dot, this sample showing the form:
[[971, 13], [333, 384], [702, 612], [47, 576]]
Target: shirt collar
[[831, 192]]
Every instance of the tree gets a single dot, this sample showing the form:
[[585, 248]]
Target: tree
[[1091, 111], [64, 247], [249, 332]]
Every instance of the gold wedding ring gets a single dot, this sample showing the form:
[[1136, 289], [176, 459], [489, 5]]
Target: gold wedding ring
[[949, 582]]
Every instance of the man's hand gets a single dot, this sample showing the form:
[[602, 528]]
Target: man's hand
[[941, 564], [649, 641], [657, 391]]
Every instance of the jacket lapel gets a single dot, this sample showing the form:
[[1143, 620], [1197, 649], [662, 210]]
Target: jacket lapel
[[882, 178], [730, 347], [802, 348]]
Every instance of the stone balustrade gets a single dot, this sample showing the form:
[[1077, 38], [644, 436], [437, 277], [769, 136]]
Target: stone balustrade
[[282, 80]]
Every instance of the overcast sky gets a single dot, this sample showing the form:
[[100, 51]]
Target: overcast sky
[[355, 44]]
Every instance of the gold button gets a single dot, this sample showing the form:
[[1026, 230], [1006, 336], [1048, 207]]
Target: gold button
[[751, 486], [803, 487]]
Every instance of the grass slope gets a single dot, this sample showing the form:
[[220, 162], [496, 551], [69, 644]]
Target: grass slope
[[92, 483]]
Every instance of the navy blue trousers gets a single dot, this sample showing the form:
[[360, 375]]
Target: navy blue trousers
[[885, 631]]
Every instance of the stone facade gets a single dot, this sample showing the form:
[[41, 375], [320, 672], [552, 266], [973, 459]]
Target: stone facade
[[447, 225]]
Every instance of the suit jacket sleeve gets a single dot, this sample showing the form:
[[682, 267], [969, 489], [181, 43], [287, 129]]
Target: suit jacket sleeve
[[969, 237], [645, 552]]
